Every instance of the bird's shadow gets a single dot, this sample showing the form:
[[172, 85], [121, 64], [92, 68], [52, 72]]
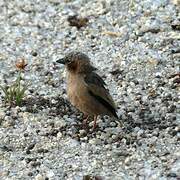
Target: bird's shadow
[[76, 128]]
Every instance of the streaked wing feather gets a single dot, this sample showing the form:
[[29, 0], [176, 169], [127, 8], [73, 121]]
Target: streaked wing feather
[[96, 87], [93, 78], [104, 103]]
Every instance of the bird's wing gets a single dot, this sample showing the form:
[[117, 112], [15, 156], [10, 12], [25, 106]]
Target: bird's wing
[[93, 78], [96, 88]]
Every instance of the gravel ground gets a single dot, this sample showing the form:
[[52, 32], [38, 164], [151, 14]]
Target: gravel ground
[[136, 47]]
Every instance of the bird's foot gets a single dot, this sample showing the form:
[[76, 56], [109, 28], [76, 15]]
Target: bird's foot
[[94, 125]]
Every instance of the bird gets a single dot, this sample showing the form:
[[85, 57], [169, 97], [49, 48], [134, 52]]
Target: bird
[[86, 90]]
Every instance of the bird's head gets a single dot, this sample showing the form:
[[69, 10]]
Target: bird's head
[[77, 62]]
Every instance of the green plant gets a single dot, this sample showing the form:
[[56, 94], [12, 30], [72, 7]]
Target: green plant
[[15, 93]]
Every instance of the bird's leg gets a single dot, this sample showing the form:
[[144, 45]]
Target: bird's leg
[[86, 120], [94, 125]]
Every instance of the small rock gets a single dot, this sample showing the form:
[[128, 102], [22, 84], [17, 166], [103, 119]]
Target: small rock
[[82, 132], [39, 177], [94, 141], [77, 21]]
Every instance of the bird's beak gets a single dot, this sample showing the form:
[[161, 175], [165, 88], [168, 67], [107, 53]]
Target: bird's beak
[[61, 61]]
